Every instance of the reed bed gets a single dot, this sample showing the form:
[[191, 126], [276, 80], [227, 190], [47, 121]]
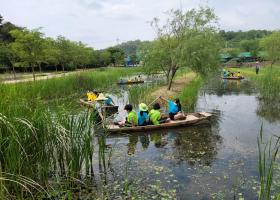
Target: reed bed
[[190, 93], [65, 86], [267, 81], [46, 146]]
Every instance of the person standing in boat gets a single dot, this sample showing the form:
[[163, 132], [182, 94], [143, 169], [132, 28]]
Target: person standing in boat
[[174, 109], [131, 119], [143, 115]]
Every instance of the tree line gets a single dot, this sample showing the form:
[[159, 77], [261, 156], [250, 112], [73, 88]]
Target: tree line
[[24, 49]]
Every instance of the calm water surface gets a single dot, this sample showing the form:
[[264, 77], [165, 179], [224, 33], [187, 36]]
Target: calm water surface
[[213, 161]]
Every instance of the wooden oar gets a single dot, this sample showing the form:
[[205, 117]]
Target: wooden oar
[[153, 101]]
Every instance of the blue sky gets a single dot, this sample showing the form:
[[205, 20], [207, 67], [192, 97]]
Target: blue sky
[[101, 23]]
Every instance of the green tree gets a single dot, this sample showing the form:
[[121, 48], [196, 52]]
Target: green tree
[[1, 20], [250, 46], [134, 59], [82, 54], [104, 58], [187, 39], [51, 52], [5, 29], [66, 52], [28, 46], [116, 55], [271, 44]]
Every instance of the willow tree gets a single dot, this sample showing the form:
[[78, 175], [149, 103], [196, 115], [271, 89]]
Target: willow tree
[[187, 39]]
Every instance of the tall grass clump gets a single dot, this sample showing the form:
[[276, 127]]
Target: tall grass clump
[[269, 84], [190, 93], [36, 149], [267, 159], [141, 94]]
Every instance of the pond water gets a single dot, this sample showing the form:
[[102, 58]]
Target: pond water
[[213, 161]]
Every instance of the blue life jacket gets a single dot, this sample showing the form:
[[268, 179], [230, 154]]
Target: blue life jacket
[[142, 119]]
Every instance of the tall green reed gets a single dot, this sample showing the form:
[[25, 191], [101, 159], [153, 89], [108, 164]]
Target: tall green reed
[[190, 92], [267, 158]]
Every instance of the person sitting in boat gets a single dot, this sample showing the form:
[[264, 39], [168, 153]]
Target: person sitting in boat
[[174, 109], [143, 115], [92, 95], [155, 115], [225, 73], [239, 75], [121, 81], [131, 119], [98, 104], [109, 101]]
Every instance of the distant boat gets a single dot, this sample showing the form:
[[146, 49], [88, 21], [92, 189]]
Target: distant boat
[[234, 78], [129, 82], [191, 120]]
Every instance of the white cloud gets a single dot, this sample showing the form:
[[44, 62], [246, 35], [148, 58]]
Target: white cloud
[[100, 22]]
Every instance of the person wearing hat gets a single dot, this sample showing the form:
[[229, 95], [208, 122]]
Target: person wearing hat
[[143, 115], [101, 97], [109, 101]]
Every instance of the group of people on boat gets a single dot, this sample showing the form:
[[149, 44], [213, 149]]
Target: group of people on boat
[[135, 79], [153, 117], [228, 73], [94, 96]]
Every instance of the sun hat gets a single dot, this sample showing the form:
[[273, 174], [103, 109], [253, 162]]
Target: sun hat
[[143, 107], [101, 97]]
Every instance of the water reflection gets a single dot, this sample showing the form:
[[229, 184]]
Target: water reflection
[[269, 110], [222, 87], [197, 146]]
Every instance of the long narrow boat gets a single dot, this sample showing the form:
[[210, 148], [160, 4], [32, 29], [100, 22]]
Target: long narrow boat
[[129, 82], [108, 109], [234, 78], [191, 119]]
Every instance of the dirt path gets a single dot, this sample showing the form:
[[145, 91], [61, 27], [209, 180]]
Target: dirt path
[[49, 76], [178, 84]]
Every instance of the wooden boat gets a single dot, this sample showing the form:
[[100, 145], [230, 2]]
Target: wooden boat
[[109, 110], [234, 78], [129, 82], [191, 119]]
